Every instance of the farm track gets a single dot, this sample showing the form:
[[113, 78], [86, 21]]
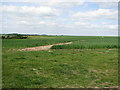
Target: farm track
[[40, 48]]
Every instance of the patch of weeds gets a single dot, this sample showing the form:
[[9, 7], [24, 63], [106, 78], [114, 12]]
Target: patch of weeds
[[53, 60], [36, 56], [55, 54], [18, 58]]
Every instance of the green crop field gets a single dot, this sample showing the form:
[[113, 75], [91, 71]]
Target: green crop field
[[90, 61], [91, 43]]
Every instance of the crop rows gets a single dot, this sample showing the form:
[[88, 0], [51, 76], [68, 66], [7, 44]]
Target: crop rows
[[107, 42]]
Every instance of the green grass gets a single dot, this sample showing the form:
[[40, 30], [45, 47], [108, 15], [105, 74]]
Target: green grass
[[33, 41], [98, 42], [59, 68]]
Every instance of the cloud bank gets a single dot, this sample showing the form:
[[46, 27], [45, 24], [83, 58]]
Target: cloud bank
[[63, 17]]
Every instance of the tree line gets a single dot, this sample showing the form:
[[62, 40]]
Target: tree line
[[13, 36]]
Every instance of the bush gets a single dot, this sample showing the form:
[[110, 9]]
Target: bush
[[14, 36]]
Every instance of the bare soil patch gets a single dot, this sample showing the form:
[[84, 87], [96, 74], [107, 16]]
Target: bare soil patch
[[39, 48]]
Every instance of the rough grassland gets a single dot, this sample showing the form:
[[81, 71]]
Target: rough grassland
[[58, 67]]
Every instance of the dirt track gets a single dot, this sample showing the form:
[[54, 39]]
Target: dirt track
[[39, 48]]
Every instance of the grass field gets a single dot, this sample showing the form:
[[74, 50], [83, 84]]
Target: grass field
[[33, 41], [98, 42], [90, 61]]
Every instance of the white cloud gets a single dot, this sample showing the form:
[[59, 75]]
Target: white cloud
[[102, 26], [60, 0], [31, 11], [108, 4], [51, 3], [115, 27], [103, 1], [56, 18], [47, 1], [82, 23], [110, 26], [46, 23], [24, 22], [42, 22], [64, 3], [96, 14]]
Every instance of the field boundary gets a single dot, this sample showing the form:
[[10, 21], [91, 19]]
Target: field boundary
[[40, 48]]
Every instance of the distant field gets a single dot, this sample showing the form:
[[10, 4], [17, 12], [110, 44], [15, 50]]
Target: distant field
[[79, 42], [91, 43], [33, 41], [90, 61]]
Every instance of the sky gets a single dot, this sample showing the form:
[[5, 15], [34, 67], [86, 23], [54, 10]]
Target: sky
[[63, 17]]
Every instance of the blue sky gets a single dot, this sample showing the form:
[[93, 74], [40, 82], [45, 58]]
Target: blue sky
[[62, 18]]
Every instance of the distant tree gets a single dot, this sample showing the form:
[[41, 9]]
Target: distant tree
[[3, 37], [8, 37], [14, 36]]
